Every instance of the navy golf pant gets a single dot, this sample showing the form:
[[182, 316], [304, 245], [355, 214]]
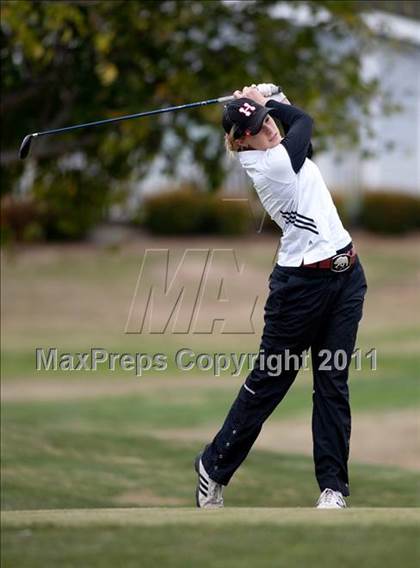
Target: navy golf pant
[[306, 308]]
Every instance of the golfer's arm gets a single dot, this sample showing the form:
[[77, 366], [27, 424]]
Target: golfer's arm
[[298, 130]]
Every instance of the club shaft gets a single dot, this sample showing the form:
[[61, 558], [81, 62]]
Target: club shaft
[[130, 116]]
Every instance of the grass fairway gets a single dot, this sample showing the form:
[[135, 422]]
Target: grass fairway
[[84, 457], [114, 451], [159, 516], [232, 537], [97, 467]]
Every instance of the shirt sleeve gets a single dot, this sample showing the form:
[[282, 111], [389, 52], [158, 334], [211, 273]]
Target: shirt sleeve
[[278, 166], [298, 130]]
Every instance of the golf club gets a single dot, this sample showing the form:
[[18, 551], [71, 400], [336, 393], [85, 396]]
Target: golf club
[[26, 143]]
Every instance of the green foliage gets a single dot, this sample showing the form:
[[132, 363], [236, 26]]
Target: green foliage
[[65, 63], [57, 211], [188, 212], [174, 213], [390, 213], [20, 220], [72, 204]]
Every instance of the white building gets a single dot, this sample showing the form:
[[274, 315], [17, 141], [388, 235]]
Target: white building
[[395, 147], [395, 165]]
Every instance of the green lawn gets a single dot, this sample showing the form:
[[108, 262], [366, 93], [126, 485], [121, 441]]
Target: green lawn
[[102, 452], [115, 451], [286, 538]]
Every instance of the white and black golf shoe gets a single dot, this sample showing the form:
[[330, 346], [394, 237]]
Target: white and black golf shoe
[[209, 494], [330, 499]]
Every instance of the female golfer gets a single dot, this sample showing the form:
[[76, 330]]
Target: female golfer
[[317, 290]]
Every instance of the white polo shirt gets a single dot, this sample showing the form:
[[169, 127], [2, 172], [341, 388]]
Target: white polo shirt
[[299, 203]]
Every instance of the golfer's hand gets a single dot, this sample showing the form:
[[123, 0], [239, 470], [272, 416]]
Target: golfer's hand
[[251, 93], [268, 91]]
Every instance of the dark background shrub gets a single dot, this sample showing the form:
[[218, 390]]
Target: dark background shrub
[[173, 212], [341, 205], [390, 213], [21, 219], [226, 217], [192, 212], [71, 207]]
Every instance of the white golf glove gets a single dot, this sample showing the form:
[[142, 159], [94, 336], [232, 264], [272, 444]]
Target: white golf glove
[[268, 90]]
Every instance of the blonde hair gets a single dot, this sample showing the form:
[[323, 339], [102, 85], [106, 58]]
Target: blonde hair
[[231, 143]]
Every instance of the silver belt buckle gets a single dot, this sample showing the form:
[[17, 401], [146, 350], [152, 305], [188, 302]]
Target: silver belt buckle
[[340, 262]]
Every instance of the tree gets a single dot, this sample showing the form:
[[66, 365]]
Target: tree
[[71, 62]]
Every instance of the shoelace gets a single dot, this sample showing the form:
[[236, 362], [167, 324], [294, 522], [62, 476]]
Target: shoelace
[[341, 500], [329, 496], [215, 491]]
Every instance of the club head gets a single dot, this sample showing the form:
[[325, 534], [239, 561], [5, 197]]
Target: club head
[[25, 146]]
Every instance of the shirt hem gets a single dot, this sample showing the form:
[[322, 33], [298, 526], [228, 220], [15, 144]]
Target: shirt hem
[[314, 256]]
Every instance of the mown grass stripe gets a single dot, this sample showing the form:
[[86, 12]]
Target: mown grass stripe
[[63, 518]]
